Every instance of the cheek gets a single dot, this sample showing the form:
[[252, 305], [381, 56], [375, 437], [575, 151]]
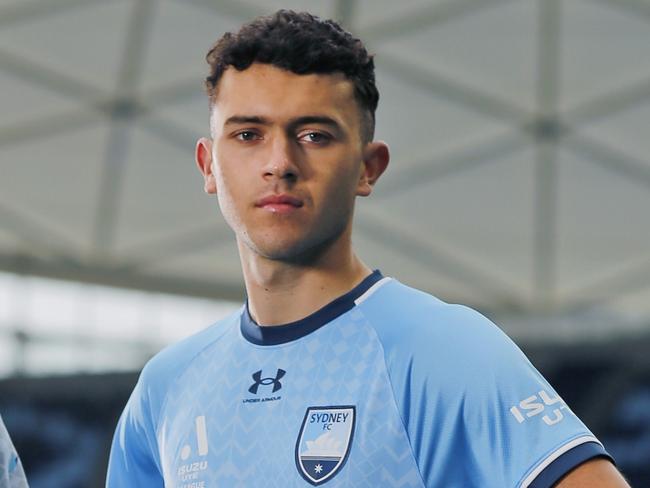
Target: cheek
[[226, 191], [337, 198], [225, 174], [343, 183]]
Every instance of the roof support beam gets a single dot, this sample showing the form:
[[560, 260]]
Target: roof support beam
[[423, 18], [632, 278], [408, 244], [119, 138], [42, 239], [609, 104], [610, 159], [50, 79], [546, 140], [48, 126], [29, 10], [344, 11], [231, 8], [455, 91], [181, 244], [113, 275], [635, 8], [427, 170]]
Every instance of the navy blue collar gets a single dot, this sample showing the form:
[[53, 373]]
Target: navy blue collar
[[279, 334]]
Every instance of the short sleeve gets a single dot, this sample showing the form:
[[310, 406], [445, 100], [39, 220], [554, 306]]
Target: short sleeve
[[134, 460], [11, 469], [477, 413]]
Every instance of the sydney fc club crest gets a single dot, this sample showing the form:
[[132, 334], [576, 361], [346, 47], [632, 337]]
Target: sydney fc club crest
[[324, 442]]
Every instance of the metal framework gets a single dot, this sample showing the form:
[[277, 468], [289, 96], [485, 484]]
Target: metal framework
[[546, 128]]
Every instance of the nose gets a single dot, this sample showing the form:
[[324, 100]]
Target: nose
[[281, 160]]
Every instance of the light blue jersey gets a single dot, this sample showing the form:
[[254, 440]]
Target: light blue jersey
[[384, 387]]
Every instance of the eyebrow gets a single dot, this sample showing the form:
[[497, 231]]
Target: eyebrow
[[246, 119], [297, 122], [315, 119]]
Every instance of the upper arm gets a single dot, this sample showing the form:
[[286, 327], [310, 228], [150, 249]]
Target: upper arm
[[595, 473], [468, 394]]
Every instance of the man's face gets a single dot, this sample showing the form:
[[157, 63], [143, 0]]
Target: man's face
[[287, 159]]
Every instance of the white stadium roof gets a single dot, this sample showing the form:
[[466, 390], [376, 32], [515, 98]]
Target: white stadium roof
[[520, 136]]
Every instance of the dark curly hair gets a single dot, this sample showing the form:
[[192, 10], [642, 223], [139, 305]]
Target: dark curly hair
[[304, 44]]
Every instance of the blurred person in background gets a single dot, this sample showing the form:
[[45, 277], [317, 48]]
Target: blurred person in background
[[11, 469], [331, 373]]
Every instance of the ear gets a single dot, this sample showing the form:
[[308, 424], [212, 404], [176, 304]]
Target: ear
[[375, 160], [203, 157]]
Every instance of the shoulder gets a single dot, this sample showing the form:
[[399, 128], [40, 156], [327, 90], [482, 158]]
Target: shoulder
[[11, 470], [134, 452], [415, 324], [163, 367], [160, 372]]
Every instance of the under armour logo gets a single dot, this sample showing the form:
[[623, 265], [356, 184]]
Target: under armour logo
[[257, 376]]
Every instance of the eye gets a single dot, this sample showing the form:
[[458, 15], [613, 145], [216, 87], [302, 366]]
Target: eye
[[246, 135], [316, 137]]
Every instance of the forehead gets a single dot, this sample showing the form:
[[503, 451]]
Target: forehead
[[268, 91]]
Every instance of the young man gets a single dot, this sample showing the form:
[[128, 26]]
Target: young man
[[331, 373], [11, 469]]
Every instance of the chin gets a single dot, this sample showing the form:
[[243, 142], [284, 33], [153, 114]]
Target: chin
[[279, 251], [293, 250]]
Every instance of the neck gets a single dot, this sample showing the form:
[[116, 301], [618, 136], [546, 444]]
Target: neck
[[280, 292]]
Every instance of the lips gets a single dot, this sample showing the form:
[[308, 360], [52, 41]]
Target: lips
[[279, 203], [279, 199]]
